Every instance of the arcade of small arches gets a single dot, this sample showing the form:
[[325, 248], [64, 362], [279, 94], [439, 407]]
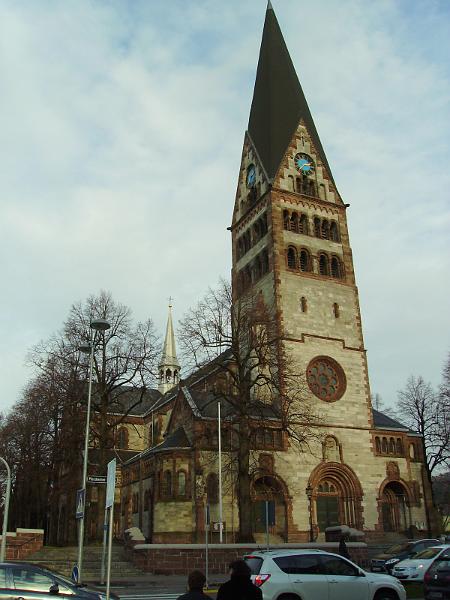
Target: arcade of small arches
[[253, 271], [169, 376], [301, 260], [389, 446], [306, 186], [321, 228], [252, 235]]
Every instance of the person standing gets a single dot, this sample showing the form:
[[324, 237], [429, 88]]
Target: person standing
[[239, 586], [196, 583], [343, 550]]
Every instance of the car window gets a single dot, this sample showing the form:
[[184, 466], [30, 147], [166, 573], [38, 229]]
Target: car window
[[333, 565], [304, 564], [30, 579], [254, 562], [3, 580], [397, 548], [428, 553]]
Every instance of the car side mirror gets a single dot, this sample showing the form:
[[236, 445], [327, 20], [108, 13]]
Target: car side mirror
[[54, 589]]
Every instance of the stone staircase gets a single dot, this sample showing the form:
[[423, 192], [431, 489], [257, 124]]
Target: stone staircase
[[63, 559]]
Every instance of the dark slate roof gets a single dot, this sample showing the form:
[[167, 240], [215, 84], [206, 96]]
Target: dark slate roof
[[133, 401], [206, 405], [278, 101], [178, 439], [382, 421]]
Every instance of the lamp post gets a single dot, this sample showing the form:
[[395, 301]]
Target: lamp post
[[95, 325], [5, 510], [309, 493]]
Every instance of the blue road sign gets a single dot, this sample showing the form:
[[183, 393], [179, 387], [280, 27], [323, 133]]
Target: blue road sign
[[75, 576]]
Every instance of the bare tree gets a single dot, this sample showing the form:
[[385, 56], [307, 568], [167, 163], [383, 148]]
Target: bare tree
[[428, 413], [252, 372], [124, 366]]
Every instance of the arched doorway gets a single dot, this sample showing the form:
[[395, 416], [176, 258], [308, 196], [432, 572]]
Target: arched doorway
[[336, 497], [269, 490], [394, 505]]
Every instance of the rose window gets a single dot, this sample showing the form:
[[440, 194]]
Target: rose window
[[326, 378]]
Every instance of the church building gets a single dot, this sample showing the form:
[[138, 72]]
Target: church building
[[290, 246]]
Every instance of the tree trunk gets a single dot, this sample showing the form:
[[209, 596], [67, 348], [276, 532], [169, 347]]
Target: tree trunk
[[244, 497]]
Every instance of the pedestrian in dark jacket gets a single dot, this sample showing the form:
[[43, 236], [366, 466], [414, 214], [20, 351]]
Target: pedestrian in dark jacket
[[343, 550], [196, 583], [239, 586]]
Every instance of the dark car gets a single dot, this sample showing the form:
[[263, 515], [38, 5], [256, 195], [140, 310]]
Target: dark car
[[386, 561], [437, 579], [29, 582]]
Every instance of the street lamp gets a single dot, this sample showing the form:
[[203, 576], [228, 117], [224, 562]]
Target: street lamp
[[5, 510], [95, 325], [309, 493]]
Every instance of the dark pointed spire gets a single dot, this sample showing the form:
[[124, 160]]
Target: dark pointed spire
[[278, 101]]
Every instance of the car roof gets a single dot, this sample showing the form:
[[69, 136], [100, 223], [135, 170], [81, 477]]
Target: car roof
[[287, 552]]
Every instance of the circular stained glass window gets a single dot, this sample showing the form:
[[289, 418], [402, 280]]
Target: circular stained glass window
[[326, 378]]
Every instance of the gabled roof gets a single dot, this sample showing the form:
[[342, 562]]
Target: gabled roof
[[206, 406], [178, 440], [279, 103], [133, 401], [382, 421]]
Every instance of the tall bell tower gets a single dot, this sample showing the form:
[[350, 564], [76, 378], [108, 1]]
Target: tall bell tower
[[290, 239]]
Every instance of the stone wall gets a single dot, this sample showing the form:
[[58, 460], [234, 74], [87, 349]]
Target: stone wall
[[181, 559], [23, 542]]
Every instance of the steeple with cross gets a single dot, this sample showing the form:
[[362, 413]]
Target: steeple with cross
[[169, 367]]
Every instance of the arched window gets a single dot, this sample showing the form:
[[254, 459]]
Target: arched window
[[325, 230], [268, 438], [399, 446], [334, 232], [335, 267], [168, 375], [264, 262], [181, 483], [291, 183], [384, 446], [391, 446], [305, 262], [286, 220], [122, 439], [303, 304], [257, 268], [378, 445], [317, 228], [322, 192], [323, 264], [303, 225], [412, 451], [264, 224], [293, 225], [212, 488], [167, 484], [336, 310], [298, 183], [291, 257]]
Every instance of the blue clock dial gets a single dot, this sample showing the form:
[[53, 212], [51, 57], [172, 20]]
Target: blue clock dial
[[304, 164], [251, 176]]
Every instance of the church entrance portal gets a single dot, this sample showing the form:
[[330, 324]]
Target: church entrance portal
[[394, 507]]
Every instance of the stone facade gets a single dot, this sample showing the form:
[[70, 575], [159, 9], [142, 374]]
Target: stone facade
[[291, 248]]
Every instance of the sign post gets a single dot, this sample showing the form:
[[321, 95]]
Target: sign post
[[110, 491], [79, 510], [207, 523]]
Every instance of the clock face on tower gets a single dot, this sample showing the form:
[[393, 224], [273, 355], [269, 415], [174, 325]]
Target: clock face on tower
[[251, 176], [304, 163]]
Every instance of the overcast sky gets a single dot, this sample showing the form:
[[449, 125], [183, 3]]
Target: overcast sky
[[121, 130]]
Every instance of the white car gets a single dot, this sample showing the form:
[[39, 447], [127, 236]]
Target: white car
[[416, 567], [318, 575]]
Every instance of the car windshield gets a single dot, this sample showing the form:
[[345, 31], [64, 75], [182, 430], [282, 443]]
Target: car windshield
[[61, 577], [427, 553], [397, 548]]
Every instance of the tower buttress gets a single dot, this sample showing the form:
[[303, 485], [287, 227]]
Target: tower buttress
[[169, 367]]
